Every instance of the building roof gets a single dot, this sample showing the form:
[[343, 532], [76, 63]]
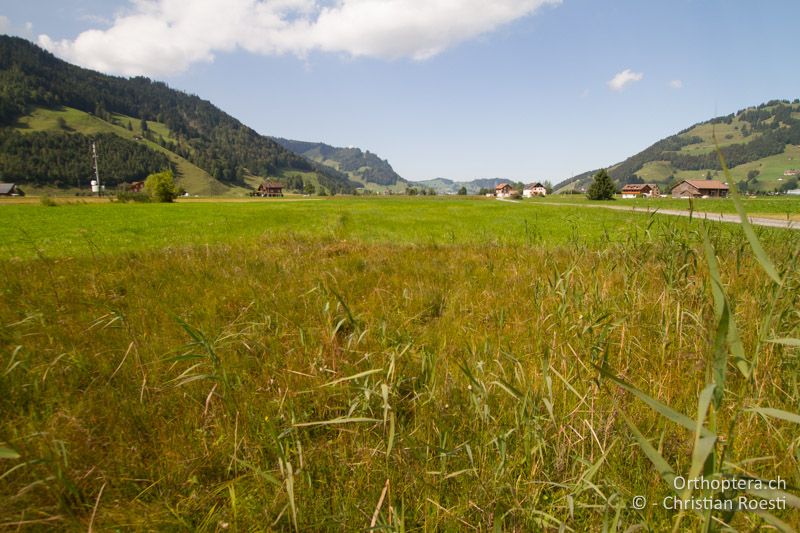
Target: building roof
[[501, 186], [711, 185], [271, 184], [536, 185], [636, 186], [6, 188]]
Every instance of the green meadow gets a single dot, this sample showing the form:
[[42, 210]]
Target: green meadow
[[108, 228], [394, 364], [779, 207]]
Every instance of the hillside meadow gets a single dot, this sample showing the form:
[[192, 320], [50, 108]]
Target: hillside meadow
[[395, 364]]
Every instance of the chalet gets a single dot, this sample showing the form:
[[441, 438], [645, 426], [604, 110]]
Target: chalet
[[503, 190], [10, 189], [270, 189], [534, 189], [641, 190], [136, 186], [700, 189]]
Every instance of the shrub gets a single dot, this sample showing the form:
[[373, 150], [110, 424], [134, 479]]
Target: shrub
[[161, 186], [48, 201]]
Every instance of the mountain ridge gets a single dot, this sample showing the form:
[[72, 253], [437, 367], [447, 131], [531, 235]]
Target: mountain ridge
[[363, 166]]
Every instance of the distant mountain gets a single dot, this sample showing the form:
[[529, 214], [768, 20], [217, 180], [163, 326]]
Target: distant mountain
[[50, 111], [361, 166], [444, 186], [759, 144]]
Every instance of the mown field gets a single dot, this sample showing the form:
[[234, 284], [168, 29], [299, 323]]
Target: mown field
[[394, 364]]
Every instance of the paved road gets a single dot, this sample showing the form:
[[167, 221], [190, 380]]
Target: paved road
[[716, 217]]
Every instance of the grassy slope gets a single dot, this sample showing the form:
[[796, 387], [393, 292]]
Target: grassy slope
[[470, 365], [194, 179], [771, 167]]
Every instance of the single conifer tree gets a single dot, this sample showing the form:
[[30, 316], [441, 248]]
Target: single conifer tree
[[602, 188]]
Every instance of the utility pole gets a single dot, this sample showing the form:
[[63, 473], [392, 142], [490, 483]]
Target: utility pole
[[96, 170]]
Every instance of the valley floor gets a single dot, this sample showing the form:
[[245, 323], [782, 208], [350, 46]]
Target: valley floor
[[405, 364]]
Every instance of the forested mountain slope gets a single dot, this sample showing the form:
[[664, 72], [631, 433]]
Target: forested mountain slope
[[186, 128]]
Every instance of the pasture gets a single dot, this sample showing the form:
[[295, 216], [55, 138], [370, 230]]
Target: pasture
[[398, 364]]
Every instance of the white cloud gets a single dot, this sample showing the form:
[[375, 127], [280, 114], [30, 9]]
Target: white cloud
[[618, 82], [676, 84], [167, 36], [8, 28]]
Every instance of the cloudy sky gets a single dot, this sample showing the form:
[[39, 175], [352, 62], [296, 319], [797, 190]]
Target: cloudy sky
[[464, 89]]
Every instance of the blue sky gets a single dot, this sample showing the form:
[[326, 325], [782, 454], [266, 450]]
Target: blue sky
[[517, 89]]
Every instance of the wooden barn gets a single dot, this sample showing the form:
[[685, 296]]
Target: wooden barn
[[270, 189], [700, 189]]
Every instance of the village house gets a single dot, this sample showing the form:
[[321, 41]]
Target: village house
[[641, 190], [534, 189], [136, 186], [700, 189], [792, 172], [10, 189], [503, 190], [270, 189]]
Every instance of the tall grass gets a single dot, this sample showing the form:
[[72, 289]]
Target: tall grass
[[329, 383]]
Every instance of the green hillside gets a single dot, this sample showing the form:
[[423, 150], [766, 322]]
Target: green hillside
[[361, 166], [189, 176], [51, 111], [759, 144]]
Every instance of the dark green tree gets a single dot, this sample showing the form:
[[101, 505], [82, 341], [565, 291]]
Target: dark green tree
[[602, 188], [462, 191]]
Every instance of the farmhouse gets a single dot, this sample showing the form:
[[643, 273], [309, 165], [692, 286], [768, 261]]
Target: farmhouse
[[534, 189], [10, 189], [641, 190], [136, 186], [503, 190], [700, 189], [270, 189]]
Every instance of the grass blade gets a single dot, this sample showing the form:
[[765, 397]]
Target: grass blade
[[777, 413], [336, 421], [8, 453], [661, 408], [786, 342], [755, 244], [703, 445], [664, 470], [354, 376]]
